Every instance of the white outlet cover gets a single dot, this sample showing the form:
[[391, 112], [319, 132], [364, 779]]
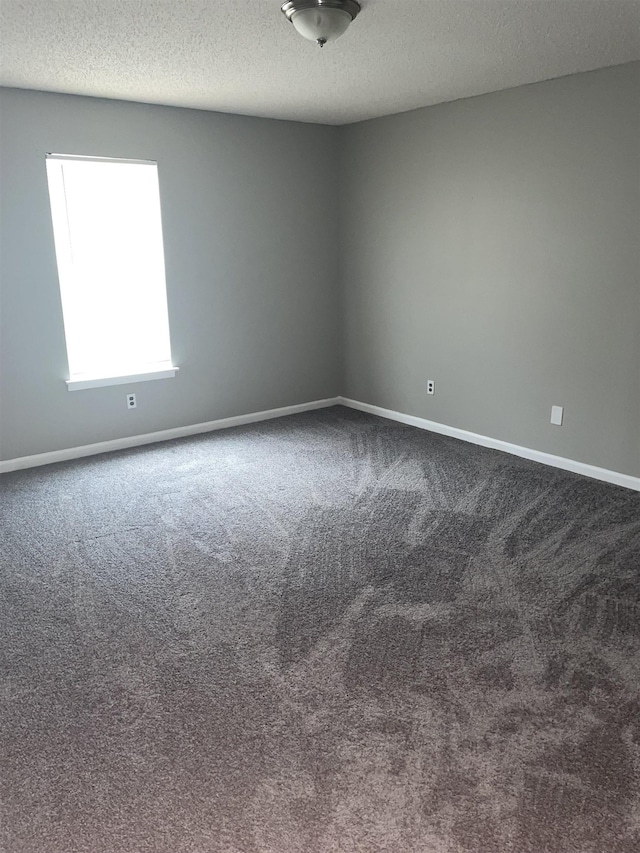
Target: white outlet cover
[[556, 415]]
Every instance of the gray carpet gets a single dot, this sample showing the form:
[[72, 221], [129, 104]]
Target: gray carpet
[[324, 634]]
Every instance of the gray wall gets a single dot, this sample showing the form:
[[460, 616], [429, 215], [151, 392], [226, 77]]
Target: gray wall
[[492, 244], [251, 259]]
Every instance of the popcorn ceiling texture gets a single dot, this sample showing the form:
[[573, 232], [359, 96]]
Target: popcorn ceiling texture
[[242, 56], [324, 634]]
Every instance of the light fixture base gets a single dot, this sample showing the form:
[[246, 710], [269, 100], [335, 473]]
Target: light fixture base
[[351, 7]]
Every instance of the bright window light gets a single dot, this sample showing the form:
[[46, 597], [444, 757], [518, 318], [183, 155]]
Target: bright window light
[[108, 237]]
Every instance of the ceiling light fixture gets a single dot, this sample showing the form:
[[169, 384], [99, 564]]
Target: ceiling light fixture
[[321, 20]]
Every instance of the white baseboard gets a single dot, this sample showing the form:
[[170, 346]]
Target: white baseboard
[[583, 468], [163, 435]]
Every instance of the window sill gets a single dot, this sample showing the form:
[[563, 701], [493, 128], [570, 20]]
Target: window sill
[[102, 381]]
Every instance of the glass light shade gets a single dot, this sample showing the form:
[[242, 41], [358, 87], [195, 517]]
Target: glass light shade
[[321, 24]]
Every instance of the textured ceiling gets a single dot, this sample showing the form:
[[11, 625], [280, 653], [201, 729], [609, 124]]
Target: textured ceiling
[[242, 56]]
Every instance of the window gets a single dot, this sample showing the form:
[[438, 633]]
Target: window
[[108, 238]]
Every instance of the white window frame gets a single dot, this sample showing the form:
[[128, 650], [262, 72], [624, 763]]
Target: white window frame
[[78, 382]]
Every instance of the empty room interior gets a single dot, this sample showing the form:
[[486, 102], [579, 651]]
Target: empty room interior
[[320, 426]]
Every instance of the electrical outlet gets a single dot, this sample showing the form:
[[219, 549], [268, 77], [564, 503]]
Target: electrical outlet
[[556, 415], [131, 401], [431, 386]]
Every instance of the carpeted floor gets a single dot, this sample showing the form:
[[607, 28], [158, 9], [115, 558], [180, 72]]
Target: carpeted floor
[[323, 634]]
